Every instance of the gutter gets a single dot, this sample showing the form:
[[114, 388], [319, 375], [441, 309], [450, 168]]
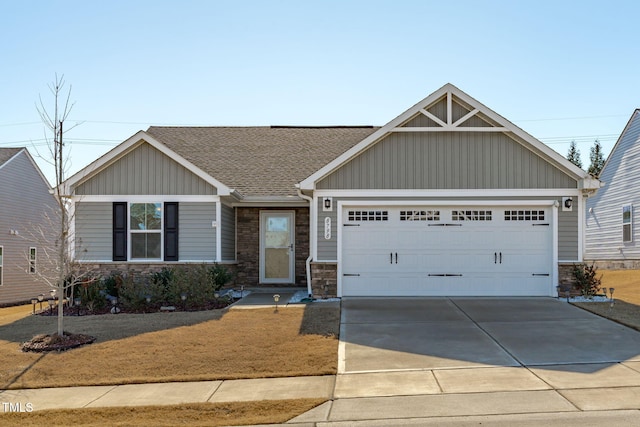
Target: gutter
[[311, 240]]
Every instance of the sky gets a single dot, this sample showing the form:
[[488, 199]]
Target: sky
[[561, 70]]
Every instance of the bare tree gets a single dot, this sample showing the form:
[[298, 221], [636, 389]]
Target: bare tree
[[59, 269]]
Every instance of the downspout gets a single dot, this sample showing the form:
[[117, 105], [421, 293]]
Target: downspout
[[311, 240]]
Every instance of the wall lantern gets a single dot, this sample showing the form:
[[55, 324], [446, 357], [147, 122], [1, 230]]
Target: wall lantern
[[567, 203], [326, 204]]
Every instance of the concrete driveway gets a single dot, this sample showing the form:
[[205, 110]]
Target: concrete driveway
[[427, 358], [437, 333]]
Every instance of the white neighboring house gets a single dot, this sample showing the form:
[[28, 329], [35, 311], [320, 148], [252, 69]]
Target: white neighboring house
[[25, 199], [612, 233]]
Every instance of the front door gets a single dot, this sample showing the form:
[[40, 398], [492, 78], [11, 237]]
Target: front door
[[276, 247]]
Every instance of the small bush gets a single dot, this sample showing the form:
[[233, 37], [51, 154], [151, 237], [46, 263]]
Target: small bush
[[586, 281], [91, 293]]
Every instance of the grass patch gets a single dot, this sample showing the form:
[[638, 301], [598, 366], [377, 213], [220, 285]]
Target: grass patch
[[197, 414], [626, 308], [160, 347]]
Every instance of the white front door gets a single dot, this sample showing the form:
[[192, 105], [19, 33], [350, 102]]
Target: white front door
[[277, 260], [447, 251]]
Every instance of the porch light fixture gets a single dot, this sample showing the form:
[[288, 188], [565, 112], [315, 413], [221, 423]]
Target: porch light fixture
[[327, 202], [568, 202]]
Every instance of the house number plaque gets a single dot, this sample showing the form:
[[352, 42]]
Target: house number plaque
[[327, 228]]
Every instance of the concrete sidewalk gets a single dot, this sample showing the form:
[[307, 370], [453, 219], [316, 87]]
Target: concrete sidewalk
[[172, 393]]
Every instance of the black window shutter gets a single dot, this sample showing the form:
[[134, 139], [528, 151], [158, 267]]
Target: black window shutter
[[171, 231], [120, 231]]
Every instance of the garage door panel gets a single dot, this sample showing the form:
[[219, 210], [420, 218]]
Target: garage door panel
[[487, 251]]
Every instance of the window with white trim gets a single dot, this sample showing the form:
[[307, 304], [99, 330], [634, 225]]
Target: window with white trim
[[33, 256], [145, 229], [627, 223], [1, 263], [470, 215], [419, 215], [524, 215], [368, 215]]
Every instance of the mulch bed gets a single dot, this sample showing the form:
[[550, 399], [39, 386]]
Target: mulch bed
[[54, 342]]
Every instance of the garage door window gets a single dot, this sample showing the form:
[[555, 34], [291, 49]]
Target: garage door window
[[368, 216], [419, 215], [524, 215], [470, 215]]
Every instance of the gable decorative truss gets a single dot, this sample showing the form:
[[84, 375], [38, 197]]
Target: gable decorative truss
[[449, 114], [451, 110]]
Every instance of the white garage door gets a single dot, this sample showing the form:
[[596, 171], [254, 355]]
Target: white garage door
[[447, 251]]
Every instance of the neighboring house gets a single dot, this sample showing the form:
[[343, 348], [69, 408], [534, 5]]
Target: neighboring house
[[25, 202], [612, 233], [448, 198]]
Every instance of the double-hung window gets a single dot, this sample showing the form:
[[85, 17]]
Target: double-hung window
[[145, 226], [145, 231], [627, 223]]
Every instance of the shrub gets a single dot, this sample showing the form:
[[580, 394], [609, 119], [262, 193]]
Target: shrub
[[91, 293], [219, 276], [135, 289], [586, 281]]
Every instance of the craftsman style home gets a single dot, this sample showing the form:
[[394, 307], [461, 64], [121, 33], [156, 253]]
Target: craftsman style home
[[25, 204], [611, 234], [448, 198]]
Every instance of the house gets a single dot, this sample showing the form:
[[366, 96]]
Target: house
[[448, 198], [25, 204], [611, 237]]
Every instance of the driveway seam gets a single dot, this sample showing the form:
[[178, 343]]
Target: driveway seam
[[487, 333]]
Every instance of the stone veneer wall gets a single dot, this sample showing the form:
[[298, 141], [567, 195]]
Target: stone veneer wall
[[108, 269], [616, 264], [248, 245], [324, 274]]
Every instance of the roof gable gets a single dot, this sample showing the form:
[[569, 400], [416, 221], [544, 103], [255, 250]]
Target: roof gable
[[128, 146], [450, 110]]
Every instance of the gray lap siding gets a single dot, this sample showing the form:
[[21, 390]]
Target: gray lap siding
[[94, 232]]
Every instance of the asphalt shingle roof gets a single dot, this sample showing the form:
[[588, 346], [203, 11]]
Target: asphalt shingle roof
[[260, 161], [7, 153]]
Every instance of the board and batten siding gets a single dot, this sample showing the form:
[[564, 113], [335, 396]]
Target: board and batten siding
[[621, 178], [24, 202], [145, 171], [447, 160], [197, 235], [93, 231], [327, 250], [228, 233]]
